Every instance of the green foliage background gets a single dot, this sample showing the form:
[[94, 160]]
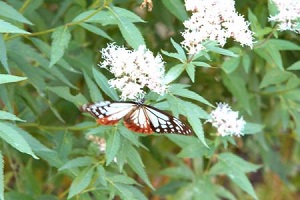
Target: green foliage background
[[49, 50]]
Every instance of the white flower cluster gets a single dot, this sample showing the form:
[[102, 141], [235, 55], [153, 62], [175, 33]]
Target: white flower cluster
[[214, 20], [226, 121], [288, 15], [134, 70]]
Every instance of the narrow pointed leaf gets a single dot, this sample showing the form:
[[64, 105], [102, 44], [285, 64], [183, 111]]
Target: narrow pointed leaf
[[6, 78], [6, 27], [60, 40]]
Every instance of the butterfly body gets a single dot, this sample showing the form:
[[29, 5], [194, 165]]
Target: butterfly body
[[136, 116]]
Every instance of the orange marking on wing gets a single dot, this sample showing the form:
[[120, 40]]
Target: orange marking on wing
[[106, 121], [134, 127]]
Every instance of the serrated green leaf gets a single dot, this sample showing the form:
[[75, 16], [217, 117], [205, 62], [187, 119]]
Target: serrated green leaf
[[9, 12], [295, 66], [113, 145], [3, 54], [176, 7], [173, 73], [274, 53], [106, 17], [132, 137], [181, 172], [118, 178], [224, 193], [7, 78], [77, 162], [64, 92], [221, 51], [179, 49], [251, 128], [103, 84], [96, 30], [230, 65], [196, 150], [200, 64], [131, 33], [174, 55], [190, 69], [135, 162], [60, 41], [46, 49], [9, 116], [236, 85], [12, 137], [6, 27], [197, 128], [93, 89], [174, 89], [284, 45], [246, 62], [124, 192], [80, 182], [275, 76], [1, 176], [102, 175], [254, 23], [235, 167]]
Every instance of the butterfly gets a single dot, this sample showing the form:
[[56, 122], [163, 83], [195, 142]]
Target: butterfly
[[136, 116]]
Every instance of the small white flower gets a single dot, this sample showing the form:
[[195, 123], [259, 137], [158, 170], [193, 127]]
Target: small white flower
[[227, 121], [288, 15], [134, 70], [215, 20]]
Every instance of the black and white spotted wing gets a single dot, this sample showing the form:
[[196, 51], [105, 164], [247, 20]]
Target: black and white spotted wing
[[137, 117]]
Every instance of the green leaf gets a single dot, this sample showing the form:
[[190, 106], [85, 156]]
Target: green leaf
[[295, 66], [93, 89], [275, 76], [235, 167], [113, 145], [9, 12], [177, 8], [12, 137], [174, 73], [179, 50], [102, 175], [102, 82], [9, 116], [197, 128], [246, 60], [6, 27], [190, 69], [221, 51], [200, 64], [135, 162], [77, 162], [64, 92], [131, 33], [231, 64], [60, 40], [274, 53], [3, 54], [132, 137], [107, 17], [1, 176], [96, 30], [81, 182], [174, 89], [236, 85], [284, 45], [6, 78], [251, 128], [181, 172]]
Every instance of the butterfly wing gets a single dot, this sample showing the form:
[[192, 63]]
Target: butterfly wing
[[162, 122], [138, 121], [108, 113]]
